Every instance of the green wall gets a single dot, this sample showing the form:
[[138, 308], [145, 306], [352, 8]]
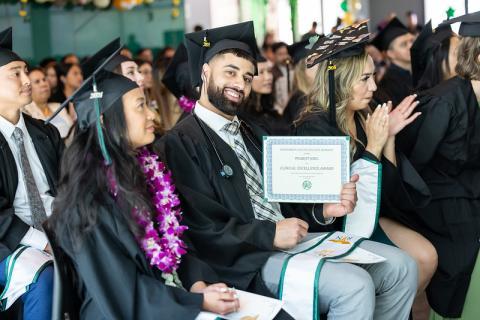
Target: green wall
[[54, 31]]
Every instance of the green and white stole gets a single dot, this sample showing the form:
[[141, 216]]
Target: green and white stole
[[364, 218], [298, 286], [22, 269]]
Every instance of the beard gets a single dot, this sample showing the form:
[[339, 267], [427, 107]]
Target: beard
[[217, 98]]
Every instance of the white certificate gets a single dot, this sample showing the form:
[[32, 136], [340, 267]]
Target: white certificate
[[305, 169], [252, 307]]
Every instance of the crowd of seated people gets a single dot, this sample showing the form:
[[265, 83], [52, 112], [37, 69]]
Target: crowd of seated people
[[144, 175]]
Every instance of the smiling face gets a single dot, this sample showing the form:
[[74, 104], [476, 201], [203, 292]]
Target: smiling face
[[363, 88], [228, 82], [262, 83], [15, 88], [130, 70], [139, 118], [40, 86]]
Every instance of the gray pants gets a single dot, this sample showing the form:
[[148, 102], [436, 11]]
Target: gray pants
[[380, 291]]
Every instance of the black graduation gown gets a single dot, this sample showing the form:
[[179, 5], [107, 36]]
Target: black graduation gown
[[115, 281], [217, 210], [259, 110], [444, 146], [402, 188], [395, 85], [271, 122], [49, 147], [294, 107]]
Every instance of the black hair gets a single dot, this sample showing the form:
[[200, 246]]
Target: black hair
[[278, 45], [141, 62], [239, 53], [42, 70], [259, 104], [435, 59], [161, 62], [314, 24], [63, 69], [141, 50], [65, 57], [84, 184], [47, 61]]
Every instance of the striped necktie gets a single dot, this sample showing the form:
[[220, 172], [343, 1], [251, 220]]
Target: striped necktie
[[35, 201], [263, 209]]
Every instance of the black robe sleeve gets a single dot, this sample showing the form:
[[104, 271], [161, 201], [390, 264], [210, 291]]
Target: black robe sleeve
[[428, 131], [12, 228], [402, 186], [118, 283], [49, 147], [233, 244], [193, 269]]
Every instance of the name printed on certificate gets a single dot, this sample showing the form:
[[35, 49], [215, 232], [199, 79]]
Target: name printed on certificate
[[305, 169]]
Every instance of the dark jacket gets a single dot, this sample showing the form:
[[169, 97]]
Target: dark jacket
[[49, 147]]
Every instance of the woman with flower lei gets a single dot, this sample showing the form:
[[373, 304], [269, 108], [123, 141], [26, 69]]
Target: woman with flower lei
[[118, 218]]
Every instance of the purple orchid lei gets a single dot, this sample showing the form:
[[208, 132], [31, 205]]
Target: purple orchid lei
[[161, 242], [186, 104]]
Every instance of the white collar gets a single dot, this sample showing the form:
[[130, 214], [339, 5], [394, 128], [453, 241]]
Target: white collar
[[215, 121], [7, 128]]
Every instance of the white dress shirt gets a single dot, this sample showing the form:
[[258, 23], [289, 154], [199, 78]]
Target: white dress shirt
[[216, 122], [34, 238]]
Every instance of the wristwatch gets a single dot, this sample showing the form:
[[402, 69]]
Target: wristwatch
[[321, 219]]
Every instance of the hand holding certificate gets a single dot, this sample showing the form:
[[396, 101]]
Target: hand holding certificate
[[252, 307], [305, 169]]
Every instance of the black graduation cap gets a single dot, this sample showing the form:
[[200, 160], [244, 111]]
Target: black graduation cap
[[6, 53], [470, 24], [392, 30], [116, 61], [442, 32], [99, 92], [203, 45], [261, 58], [91, 64], [177, 75], [347, 42], [427, 42], [299, 50]]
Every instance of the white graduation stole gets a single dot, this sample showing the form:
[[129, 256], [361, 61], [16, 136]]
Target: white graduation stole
[[23, 267], [364, 218], [298, 286]]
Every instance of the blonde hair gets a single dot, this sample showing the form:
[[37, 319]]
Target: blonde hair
[[300, 78], [348, 71], [468, 65]]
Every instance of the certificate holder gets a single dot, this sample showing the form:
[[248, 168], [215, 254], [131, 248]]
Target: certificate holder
[[305, 169]]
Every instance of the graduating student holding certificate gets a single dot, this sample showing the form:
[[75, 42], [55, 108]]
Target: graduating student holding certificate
[[445, 151], [372, 138], [215, 158], [118, 217]]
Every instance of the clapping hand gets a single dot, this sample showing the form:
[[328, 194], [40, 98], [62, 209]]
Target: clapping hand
[[402, 116], [376, 129]]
